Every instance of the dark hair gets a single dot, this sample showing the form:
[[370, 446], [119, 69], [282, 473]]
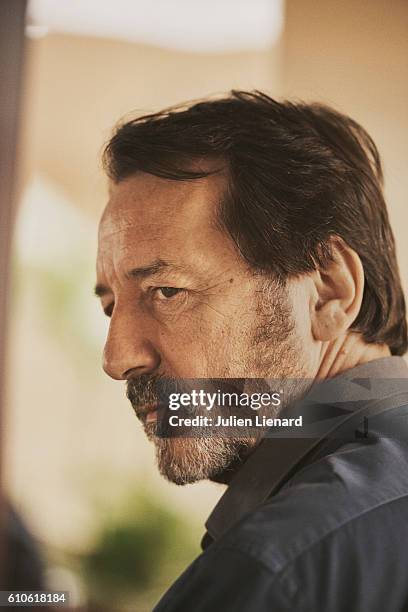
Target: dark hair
[[298, 174]]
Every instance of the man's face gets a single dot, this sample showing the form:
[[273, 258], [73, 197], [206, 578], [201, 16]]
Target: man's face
[[184, 304]]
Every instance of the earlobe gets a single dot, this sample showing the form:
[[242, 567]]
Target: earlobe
[[338, 293]]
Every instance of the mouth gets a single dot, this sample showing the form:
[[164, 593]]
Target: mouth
[[147, 413], [151, 415]]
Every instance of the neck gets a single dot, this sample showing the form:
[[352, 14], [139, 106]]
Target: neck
[[344, 353], [347, 352], [228, 474]]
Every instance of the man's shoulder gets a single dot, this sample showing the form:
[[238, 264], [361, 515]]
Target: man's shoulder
[[329, 540], [338, 501]]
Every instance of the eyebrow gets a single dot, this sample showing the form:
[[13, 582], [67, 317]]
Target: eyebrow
[[140, 272]]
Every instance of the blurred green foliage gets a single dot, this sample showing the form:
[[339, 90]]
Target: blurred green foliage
[[139, 549], [65, 306]]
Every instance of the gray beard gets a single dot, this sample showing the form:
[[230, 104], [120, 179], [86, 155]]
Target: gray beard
[[187, 460], [184, 460]]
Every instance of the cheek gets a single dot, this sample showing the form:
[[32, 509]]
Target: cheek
[[299, 304], [198, 349], [209, 337]]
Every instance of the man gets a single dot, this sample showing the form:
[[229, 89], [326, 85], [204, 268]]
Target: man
[[247, 240]]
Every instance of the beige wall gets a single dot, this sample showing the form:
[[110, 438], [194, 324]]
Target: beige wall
[[354, 55], [77, 88]]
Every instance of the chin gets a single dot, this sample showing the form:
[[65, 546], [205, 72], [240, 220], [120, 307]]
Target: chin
[[187, 460], [181, 461]]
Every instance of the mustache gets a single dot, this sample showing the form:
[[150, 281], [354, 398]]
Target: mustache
[[148, 390]]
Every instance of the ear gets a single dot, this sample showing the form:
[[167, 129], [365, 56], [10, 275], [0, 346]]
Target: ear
[[338, 292]]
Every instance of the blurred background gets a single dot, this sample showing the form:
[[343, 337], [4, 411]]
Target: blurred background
[[77, 466]]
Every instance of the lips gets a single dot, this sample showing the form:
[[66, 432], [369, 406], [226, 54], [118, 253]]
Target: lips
[[151, 415], [147, 413]]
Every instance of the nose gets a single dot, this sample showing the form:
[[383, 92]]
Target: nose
[[129, 349]]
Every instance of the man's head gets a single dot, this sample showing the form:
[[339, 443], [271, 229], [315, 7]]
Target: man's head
[[244, 238]]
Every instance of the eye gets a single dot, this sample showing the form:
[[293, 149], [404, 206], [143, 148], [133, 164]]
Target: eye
[[167, 292]]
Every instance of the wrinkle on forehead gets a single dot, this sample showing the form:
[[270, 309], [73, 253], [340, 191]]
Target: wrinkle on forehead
[[108, 228], [149, 218], [146, 200]]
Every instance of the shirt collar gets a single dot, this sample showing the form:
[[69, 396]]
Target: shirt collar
[[327, 407]]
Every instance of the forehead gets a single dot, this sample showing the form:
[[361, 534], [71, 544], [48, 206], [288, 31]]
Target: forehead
[[145, 199], [149, 217]]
